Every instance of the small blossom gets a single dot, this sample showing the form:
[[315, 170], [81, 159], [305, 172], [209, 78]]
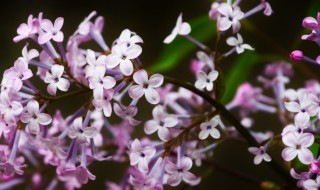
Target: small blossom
[[51, 31], [26, 30], [209, 128], [81, 173], [19, 72], [296, 56], [238, 43], [28, 55], [178, 173], [140, 156], [206, 81], [93, 63], [229, 17], [161, 122], [146, 86], [9, 108], [102, 102], [311, 184], [129, 38], [98, 81], [55, 80], [127, 113], [33, 118], [81, 134], [298, 146], [181, 28], [312, 24], [260, 154]]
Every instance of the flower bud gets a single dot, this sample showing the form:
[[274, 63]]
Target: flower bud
[[297, 56]]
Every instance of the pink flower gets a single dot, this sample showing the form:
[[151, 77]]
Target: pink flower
[[238, 43], [27, 56], [9, 108], [301, 177], [140, 156], [33, 118], [146, 86], [81, 134], [312, 24], [214, 13], [98, 81], [296, 56], [19, 72], [81, 173], [178, 173], [260, 154], [55, 80], [26, 30], [206, 81], [229, 17], [102, 102], [51, 31], [181, 28], [9, 169], [209, 128], [311, 184], [121, 55], [161, 122], [298, 146]]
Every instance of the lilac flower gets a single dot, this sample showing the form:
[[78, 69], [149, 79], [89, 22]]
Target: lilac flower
[[9, 169], [230, 16], [140, 156], [312, 24], [311, 184], [238, 43], [301, 177], [55, 80], [209, 128], [178, 173], [9, 108], [51, 31], [161, 122], [81, 134], [303, 115], [98, 81], [146, 86], [102, 102], [298, 146], [214, 13], [206, 81], [127, 113], [27, 56], [93, 62], [260, 154], [129, 38], [19, 72], [181, 28], [121, 55], [143, 183], [315, 104], [81, 173], [33, 118], [26, 30]]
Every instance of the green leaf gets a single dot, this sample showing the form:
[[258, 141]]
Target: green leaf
[[202, 29], [241, 70]]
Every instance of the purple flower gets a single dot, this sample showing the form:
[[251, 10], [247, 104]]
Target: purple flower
[[301, 177], [98, 81], [101, 102], [81, 173], [129, 38], [238, 44], [93, 63], [9, 108], [230, 16], [161, 122], [206, 81], [51, 31], [312, 24], [127, 113], [33, 117], [27, 56], [140, 156], [260, 154], [26, 30], [178, 173], [298, 146], [146, 86], [55, 80], [209, 128], [312, 184], [19, 72], [181, 28]]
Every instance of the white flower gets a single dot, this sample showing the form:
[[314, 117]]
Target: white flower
[[238, 43], [55, 80], [182, 28], [206, 81], [209, 128], [260, 153], [81, 134], [311, 184], [229, 17]]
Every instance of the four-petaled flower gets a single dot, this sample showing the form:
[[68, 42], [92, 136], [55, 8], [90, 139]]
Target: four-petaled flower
[[19, 72], [229, 17], [161, 122], [33, 117], [206, 81], [209, 128], [55, 80], [51, 31], [146, 86], [178, 173], [181, 28], [81, 134], [312, 184], [238, 43], [26, 30], [140, 156], [260, 153], [9, 108]]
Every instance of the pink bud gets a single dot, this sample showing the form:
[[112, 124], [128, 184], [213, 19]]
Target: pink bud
[[297, 56]]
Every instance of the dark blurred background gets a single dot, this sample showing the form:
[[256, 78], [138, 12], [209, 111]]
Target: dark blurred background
[[153, 21]]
